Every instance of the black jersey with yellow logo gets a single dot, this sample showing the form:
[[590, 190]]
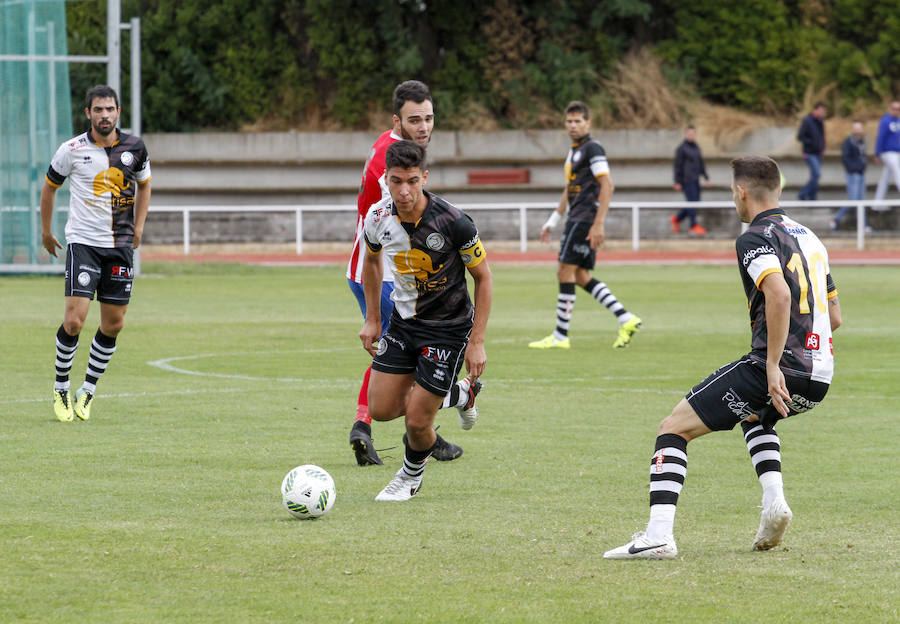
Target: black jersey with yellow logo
[[428, 259], [585, 163], [102, 188]]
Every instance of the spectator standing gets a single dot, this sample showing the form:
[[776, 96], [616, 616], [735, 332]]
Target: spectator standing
[[812, 136], [887, 151], [689, 166], [853, 156]]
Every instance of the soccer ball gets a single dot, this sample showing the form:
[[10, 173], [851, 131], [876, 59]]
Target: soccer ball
[[307, 491]]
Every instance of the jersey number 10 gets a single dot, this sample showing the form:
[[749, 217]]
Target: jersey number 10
[[796, 265]]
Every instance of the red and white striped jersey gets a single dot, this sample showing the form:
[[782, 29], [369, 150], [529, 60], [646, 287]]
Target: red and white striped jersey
[[372, 190]]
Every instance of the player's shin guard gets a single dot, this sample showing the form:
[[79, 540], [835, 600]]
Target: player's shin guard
[[565, 301], [601, 292], [667, 471], [102, 349], [765, 453], [362, 403], [66, 346]]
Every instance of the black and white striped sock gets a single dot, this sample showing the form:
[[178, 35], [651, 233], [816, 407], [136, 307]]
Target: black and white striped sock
[[565, 301], [414, 461], [765, 453], [599, 291], [667, 471], [66, 346], [102, 349]]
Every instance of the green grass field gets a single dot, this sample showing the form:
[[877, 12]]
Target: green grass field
[[165, 507]]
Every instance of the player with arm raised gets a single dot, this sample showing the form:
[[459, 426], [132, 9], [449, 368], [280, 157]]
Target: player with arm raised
[[793, 311]]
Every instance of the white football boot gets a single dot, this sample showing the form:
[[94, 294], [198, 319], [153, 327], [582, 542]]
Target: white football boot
[[773, 523], [401, 488], [642, 548], [468, 413]]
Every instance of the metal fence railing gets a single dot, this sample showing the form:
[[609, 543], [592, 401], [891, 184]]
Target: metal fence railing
[[636, 208]]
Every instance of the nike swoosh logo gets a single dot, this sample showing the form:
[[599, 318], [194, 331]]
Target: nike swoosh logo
[[633, 551]]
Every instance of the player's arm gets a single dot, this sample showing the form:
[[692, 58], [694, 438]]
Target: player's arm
[[596, 234], [372, 276], [555, 216], [48, 197], [778, 319], [834, 312], [476, 358], [141, 206]]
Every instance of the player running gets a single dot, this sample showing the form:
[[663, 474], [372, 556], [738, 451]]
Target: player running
[[428, 245], [413, 120]]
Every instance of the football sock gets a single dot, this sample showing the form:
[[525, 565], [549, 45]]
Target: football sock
[[765, 453], [102, 349], [65, 353], [458, 395], [414, 461], [564, 303], [600, 292], [362, 403], [667, 471]]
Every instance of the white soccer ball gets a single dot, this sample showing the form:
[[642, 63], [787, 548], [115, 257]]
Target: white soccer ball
[[308, 491]]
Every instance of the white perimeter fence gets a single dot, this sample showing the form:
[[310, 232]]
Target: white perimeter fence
[[636, 209]]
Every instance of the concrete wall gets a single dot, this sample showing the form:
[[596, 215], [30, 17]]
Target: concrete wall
[[325, 168]]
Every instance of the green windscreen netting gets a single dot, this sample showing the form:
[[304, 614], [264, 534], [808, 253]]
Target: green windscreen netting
[[35, 117]]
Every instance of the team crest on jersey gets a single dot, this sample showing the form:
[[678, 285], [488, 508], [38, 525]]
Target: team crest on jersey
[[435, 241], [576, 156], [812, 341], [127, 158]]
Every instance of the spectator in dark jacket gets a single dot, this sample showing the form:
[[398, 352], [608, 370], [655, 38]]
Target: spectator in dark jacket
[[853, 155], [689, 166], [812, 136]]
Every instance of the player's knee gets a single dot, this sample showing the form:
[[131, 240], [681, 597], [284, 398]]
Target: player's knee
[[73, 325]]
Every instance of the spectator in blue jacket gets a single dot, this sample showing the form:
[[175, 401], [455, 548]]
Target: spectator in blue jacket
[[689, 166], [812, 136], [853, 156], [887, 151]]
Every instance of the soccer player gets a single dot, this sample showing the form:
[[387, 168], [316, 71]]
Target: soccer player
[[428, 244], [793, 311], [414, 121], [109, 173], [588, 192]]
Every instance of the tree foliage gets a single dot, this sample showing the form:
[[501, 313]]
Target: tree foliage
[[229, 64]]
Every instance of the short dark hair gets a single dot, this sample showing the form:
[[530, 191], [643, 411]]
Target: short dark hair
[[819, 104], [405, 155], [760, 175], [411, 90], [576, 106], [100, 92]]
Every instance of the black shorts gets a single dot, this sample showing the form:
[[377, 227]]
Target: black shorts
[[107, 271], [739, 390], [574, 247], [434, 353]]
